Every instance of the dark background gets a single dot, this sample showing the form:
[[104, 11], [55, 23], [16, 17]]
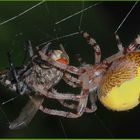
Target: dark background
[[38, 26]]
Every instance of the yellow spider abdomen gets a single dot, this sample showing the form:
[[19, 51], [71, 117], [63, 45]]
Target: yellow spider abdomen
[[120, 89]]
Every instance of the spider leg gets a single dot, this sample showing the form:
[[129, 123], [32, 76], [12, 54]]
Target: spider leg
[[91, 41], [80, 110], [30, 49], [59, 65], [65, 96], [74, 85], [92, 99], [133, 45], [71, 106], [70, 80], [112, 58], [82, 102], [119, 43], [54, 94]]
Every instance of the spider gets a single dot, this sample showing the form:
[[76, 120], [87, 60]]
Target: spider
[[109, 81], [114, 81]]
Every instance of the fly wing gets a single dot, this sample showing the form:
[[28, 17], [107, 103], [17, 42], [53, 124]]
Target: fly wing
[[27, 113]]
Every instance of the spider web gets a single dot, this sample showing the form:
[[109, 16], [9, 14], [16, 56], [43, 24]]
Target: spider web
[[43, 22]]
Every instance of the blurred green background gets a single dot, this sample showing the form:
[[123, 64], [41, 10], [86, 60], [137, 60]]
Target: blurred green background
[[37, 25]]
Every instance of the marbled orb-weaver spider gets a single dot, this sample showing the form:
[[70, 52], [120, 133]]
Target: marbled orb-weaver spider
[[114, 81], [108, 80]]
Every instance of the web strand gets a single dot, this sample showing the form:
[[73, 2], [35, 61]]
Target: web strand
[[63, 129], [81, 11], [5, 116], [125, 18], [24, 12], [8, 101], [81, 17], [57, 38], [104, 125]]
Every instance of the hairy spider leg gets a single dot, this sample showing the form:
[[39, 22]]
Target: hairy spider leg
[[92, 42], [71, 80], [70, 106], [133, 45], [81, 105], [64, 67], [92, 99], [91, 109], [119, 43], [30, 49]]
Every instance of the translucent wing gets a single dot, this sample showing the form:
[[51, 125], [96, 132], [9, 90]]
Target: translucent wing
[[27, 113]]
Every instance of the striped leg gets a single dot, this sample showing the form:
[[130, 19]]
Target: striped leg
[[65, 67], [80, 109], [119, 43], [93, 44], [92, 99], [133, 45], [65, 104], [70, 80], [82, 102]]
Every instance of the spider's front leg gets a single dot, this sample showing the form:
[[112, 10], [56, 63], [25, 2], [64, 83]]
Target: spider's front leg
[[91, 109], [119, 43], [59, 65], [67, 105], [82, 102], [70, 80], [92, 99], [133, 45], [92, 42], [80, 110]]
